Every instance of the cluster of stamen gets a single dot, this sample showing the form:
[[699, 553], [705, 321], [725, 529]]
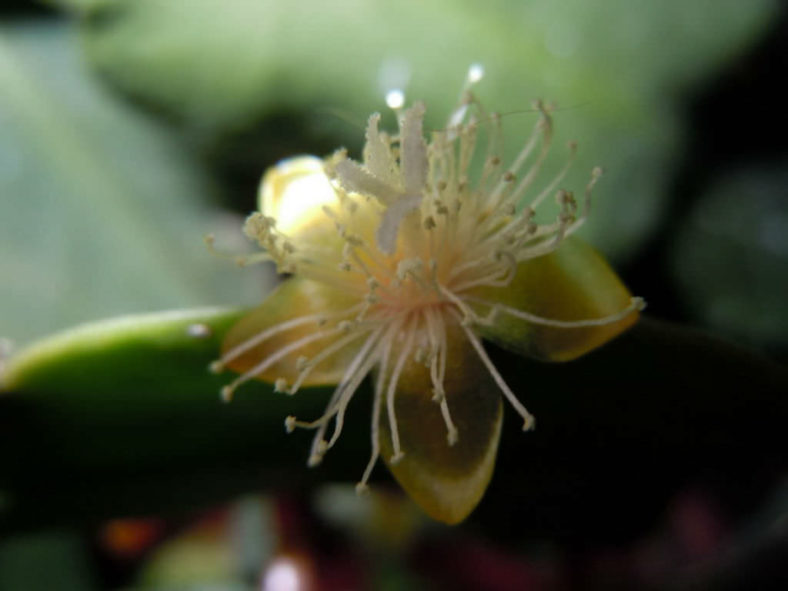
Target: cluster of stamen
[[437, 237]]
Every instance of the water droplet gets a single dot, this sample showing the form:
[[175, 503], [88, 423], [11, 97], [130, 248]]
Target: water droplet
[[475, 73], [199, 331], [395, 98]]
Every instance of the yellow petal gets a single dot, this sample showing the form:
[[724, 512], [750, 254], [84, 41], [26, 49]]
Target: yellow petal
[[573, 283], [293, 299], [294, 192], [447, 482]]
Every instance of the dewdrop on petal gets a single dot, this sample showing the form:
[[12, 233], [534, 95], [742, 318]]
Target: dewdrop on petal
[[400, 266]]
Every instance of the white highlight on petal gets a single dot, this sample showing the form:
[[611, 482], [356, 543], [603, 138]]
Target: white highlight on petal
[[304, 187], [312, 192]]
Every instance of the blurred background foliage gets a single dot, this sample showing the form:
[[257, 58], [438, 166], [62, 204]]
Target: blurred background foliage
[[102, 211], [131, 128]]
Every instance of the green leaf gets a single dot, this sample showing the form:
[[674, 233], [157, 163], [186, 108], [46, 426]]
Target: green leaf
[[102, 212], [731, 255], [616, 66]]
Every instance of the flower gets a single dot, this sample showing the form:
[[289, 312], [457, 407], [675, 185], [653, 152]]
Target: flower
[[399, 266]]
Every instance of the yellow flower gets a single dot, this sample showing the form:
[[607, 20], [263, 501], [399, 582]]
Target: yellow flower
[[399, 266]]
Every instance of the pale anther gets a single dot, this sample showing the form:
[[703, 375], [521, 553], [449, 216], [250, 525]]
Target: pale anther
[[438, 395]]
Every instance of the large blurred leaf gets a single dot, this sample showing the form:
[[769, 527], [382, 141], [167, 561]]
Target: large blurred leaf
[[122, 417], [101, 212], [618, 66], [731, 255]]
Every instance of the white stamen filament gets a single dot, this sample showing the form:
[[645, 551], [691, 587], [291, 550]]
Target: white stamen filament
[[390, 395], [261, 337], [345, 390], [324, 354], [437, 336], [279, 354], [636, 304], [345, 382], [528, 419]]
